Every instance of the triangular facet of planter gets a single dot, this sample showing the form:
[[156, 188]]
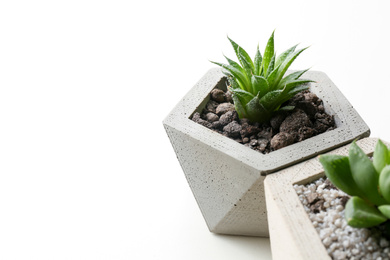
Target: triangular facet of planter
[[226, 177], [292, 233]]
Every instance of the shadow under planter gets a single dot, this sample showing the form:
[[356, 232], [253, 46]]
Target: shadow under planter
[[227, 177]]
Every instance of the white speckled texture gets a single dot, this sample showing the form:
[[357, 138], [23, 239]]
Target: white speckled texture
[[226, 177]]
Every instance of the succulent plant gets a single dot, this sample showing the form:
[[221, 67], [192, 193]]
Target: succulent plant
[[366, 181], [258, 86]]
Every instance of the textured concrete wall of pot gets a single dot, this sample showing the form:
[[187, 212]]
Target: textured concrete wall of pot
[[292, 233], [226, 177]]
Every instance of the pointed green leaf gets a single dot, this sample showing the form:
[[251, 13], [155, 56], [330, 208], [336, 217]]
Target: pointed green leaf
[[287, 62], [243, 95], [233, 83], [243, 53], [284, 55], [246, 65], [380, 158], [293, 83], [268, 53], [385, 210], [297, 89], [238, 104], [293, 76], [270, 66], [235, 72], [360, 214], [271, 79], [286, 95], [271, 100], [364, 174], [260, 85], [338, 171], [384, 183], [257, 62], [256, 112], [234, 64]]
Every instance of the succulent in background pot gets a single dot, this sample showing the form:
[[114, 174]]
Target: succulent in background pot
[[366, 181], [302, 226]]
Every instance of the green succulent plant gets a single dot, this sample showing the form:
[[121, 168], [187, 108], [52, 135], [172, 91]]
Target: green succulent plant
[[258, 86], [366, 181]]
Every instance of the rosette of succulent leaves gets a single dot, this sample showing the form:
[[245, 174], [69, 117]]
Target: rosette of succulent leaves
[[366, 181], [258, 86]]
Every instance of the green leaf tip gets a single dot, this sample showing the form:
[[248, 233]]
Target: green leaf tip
[[361, 214]]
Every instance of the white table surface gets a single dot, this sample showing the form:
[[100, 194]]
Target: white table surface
[[86, 169]]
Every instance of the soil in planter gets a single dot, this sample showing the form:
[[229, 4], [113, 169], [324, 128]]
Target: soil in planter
[[306, 120], [324, 204]]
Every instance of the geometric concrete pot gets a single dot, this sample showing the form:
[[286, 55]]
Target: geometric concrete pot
[[226, 177], [292, 233]]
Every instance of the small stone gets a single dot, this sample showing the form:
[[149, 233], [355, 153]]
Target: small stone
[[228, 117], [310, 97], [305, 133], [338, 223], [318, 206], [249, 130], [253, 142], [263, 143], [223, 108], [245, 140], [323, 122], [216, 125], [276, 121], [281, 140], [311, 197], [196, 118], [244, 121], [383, 242], [324, 233], [266, 133], [211, 106], [346, 243], [211, 117], [217, 95], [228, 96], [295, 121], [232, 129], [337, 254], [309, 107], [327, 241], [355, 251], [297, 98]]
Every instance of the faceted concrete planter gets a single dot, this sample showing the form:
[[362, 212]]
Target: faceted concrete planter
[[226, 177], [291, 231]]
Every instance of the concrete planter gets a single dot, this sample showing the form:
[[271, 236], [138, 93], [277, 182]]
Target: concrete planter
[[226, 177], [291, 231]]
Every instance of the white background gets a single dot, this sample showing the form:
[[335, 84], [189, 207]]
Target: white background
[[86, 169]]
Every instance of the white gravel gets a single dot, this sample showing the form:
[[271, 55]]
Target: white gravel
[[340, 240]]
